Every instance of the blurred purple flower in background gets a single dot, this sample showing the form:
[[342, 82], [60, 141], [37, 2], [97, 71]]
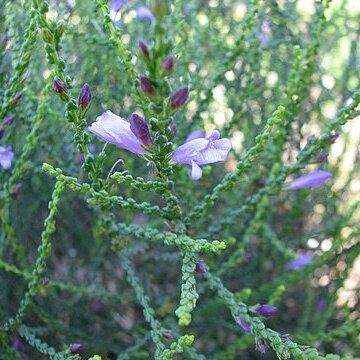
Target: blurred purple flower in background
[[262, 35], [144, 13], [321, 305], [6, 156], [311, 180], [300, 262], [116, 130], [261, 347], [201, 151], [117, 5]]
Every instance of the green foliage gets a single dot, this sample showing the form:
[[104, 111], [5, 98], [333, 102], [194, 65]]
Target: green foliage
[[108, 256]]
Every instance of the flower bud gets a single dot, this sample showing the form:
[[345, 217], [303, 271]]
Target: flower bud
[[172, 130], [334, 136], [200, 267], [8, 120], [58, 86], [244, 325], [261, 347], [322, 157], [265, 310], [140, 129], [168, 335], [75, 348], [160, 8], [2, 133], [146, 85], [168, 64], [85, 97], [47, 36], [180, 97], [144, 49]]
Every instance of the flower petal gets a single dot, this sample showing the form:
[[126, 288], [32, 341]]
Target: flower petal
[[195, 135], [215, 135], [6, 156], [187, 152], [196, 171], [218, 150], [116, 130], [311, 180]]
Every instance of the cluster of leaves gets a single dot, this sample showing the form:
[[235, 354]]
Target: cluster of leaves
[[146, 262]]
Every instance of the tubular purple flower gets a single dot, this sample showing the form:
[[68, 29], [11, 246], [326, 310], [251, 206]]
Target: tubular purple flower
[[116, 130], [6, 156], [202, 151], [180, 97], [168, 64], [265, 310], [140, 129], [300, 262], [311, 180], [58, 86], [117, 5], [261, 347], [144, 13], [85, 97], [244, 325], [18, 346], [146, 85], [144, 48]]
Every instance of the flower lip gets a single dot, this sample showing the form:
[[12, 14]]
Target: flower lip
[[116, 130]]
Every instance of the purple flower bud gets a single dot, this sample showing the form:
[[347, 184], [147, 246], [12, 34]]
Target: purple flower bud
[[117, 5], [168, 64], [180, 97], [18, 96], [321, 305], [244, 325], [5, 39], [168, 335], [200, 267], [8, 120], [2, 133], [300, 262], [265, 310], [172, 130], [311, 180], [75, 348], [146, 85], [322, 157], [18, 346], [85, 97], [140, 129], [261, 347], [144, 13], [334, 136], [144, 48], [58, 86]]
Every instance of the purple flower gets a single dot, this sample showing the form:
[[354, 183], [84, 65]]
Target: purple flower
[[2, 133], [144, 48], [265, 310], [300, 262], [116, 130], [117, 5], [311, 180], [321, 305], [6, 155], [140, 128], [261, 347], [244, 325], [85, 97], [200, 267], [180, 97], [75, 348], [144, 13], [8, 120], [202, 151], [262, 36], [265, 26], [18, 346]]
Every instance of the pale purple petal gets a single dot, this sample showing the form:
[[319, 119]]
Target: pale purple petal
[[117, 5], [185, 153], [311, 180], [300, 262], [144, 13], [215, 135], [217, 150], [116, 130], [6, 156], [244, 325], [195, 135], [196, 171]]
